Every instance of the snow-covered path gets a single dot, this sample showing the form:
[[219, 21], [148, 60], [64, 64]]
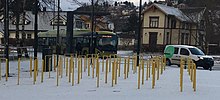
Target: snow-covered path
[[167, 87]]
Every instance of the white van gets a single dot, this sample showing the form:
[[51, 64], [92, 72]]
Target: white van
[[173, 54]]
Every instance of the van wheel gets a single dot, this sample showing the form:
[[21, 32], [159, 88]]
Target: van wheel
[[168, 63]]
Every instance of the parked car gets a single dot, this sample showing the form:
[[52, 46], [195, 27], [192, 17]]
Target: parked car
[[174, 53]]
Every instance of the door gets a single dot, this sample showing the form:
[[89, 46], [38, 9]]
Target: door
[[153, 41]]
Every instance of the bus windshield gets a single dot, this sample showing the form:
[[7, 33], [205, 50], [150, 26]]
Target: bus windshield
[[107, 41], [196, 51]]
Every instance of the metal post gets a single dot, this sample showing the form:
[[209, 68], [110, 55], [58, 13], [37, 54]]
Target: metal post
[[58, 30], [92, 29], [139, 34], [6, 30], [36, 29]]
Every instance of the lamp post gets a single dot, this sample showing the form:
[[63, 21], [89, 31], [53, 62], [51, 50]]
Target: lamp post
[[6, 32], [139, 34]]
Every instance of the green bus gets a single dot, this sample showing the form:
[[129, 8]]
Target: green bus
[[104, 42]]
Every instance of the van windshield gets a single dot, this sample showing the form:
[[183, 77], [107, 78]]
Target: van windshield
[[196, 51]]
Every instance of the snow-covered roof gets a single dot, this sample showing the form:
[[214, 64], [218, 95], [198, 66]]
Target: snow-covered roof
[[171, 11], [65, 5]]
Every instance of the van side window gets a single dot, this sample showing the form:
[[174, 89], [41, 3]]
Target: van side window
[[184, 51], [176, 50]]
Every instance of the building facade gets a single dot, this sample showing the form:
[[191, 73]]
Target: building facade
[[163, 25]]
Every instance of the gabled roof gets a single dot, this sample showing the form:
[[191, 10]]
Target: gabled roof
[[194, 13], [170, 11]]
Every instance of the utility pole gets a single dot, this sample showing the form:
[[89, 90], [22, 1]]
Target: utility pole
[[35, 29], [139, 34], [6, 32], [58, 32], [92, 29]]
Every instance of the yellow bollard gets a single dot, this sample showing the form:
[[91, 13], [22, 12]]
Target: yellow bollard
[[113, 67], [19, 64], [106, 71], [181, 75], [93, 67], [142, 71], [150, 65], [6, 73], [139, 76], [128, 59], [158, 69], [35, 70], [115, 71], [58, 74], [194, 78], [72, 70], [153, 75], [125, 76], [119, 67], [30, 66], [42, 71], [49, 67], [81, 67], [191, 72], [161, 65], [70, 67], [89, 61], [135, 65], [85, 61], [78, 79], [37, 66], [110, 61], [147, 66], [66, 67], [103, 61], [54, 63], [97, 67], [61, 67], [0, 69]]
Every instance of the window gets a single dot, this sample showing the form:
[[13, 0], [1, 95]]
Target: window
[[176, 50], [168, 37], [173, 23], [183, 25], [29, 36], [184, 51], [185, 38], [79, 24], [154, 22]]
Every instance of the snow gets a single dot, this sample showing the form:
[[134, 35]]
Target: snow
[[166, 88]]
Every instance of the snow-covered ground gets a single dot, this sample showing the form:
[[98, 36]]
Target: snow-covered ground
[[166, 88]]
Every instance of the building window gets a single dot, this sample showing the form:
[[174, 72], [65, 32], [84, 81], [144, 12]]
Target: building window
[[173, 23], [87, 26], [185, 38], [79, 24], [29, 36], [183, 25], [168, 38], [154, 22]]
